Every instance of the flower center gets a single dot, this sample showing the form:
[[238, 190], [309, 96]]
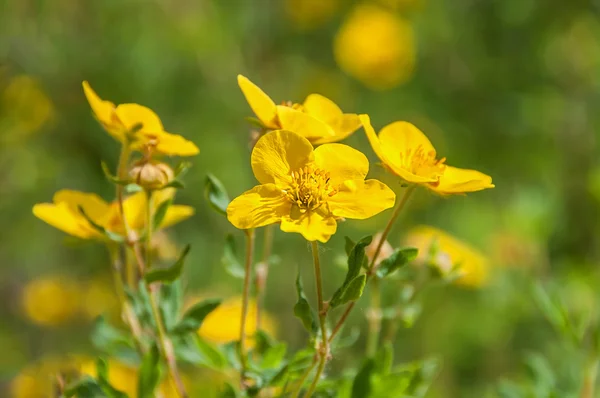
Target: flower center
[[423, 163], [310, 188], [290, 104]]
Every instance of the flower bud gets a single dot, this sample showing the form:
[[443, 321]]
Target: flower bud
[[151, 175]]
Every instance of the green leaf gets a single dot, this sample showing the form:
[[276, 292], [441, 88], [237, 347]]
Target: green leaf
[[181, 169], [215, 193], [227, 392], [356, 260], [160, 213], [255, 122], [384, 359], [230, 259], [149, 374], [349, 245], [361, 386], [350, 292], [103, 380], [195, 350], [110, 177], [108, 234], [168, 274], [398, 259], [85, 387], [111, 340], [193, 317], [174, 184], [302, 308], [171, 301]]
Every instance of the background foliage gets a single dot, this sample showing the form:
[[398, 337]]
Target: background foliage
[[508, 88]]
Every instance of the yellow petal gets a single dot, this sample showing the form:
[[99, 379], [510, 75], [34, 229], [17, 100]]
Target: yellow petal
[[322, 108], [62, 217], [361, 199], [93, 205], [134, 208], [456, 181], [302, 123], [262, 205], [312, 225], [373, 139], [134, 114], [104, 112], [342, 162], [402, 138], [262, 105], [277, 154], [344, 127], [175, 145], [176, 214]]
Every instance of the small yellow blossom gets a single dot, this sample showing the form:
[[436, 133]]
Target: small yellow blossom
[[448, 253], [223, 324], [408, 153], [51, 301], [318, 118], [119, 121], [26, 106], [65, 215], [307, 190], [311, 14], [376, 46]]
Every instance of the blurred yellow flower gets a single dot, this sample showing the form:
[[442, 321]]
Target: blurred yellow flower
[[25, 106], [318, 118], [376, 47], [97, 298], [50, 301], [119, 121], [65, 215], [310, 14], [307, 190], [408, 153], [223, 324], [449, 252]]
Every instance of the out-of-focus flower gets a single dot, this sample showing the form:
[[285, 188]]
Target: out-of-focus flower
[[408, 153], [163, 247], [127, 121], [51, 301], [318, 118], [25, 106], [98, 297], [386, 249], [64, 212], [307, 190], [516, 251], [376, 46], [444, 252], [37, 379], [400, 4], [310, 14], [223, 324]]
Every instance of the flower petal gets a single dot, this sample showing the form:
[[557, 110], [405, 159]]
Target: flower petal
[[262, 105], [312, 225], [134, 114], [93, 205], [373, 139], [61, 216], [344, 127], [302, 123], [176, 214], [342, 162], [134, 208], [322, 108], [402, 138], [277, 154], [175, 145], [262, 205], [361, 199], [103, 110], [456, 181]]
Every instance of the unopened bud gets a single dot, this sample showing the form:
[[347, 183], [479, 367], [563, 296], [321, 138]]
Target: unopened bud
[[151, 175]]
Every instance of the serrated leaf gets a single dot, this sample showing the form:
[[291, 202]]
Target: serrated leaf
[[361, 386], [302, 308], [216, 194], [230, 259], [149, 374], [168, 274], [103, 380], [356, 260], [398, 259], [160, 213], [192, 319], [350, 292]]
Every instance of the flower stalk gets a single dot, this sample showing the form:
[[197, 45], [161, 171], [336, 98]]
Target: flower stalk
[[262, 273], [250, 235]]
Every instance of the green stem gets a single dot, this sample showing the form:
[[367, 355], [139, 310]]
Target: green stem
[[374, 317], [122, 174], [165, 343], [324, 348], [372, 268], [262, 273], [589, 381], [303, 379], [245, 298]]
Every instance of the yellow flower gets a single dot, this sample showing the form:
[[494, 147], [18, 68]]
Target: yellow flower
[[449, 252], [97, 298], [27, 107], [65, 215], [408, 153], [318, 119], [50, 301], [307, 190], [376, 47], [119, 121], [223, 324]]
